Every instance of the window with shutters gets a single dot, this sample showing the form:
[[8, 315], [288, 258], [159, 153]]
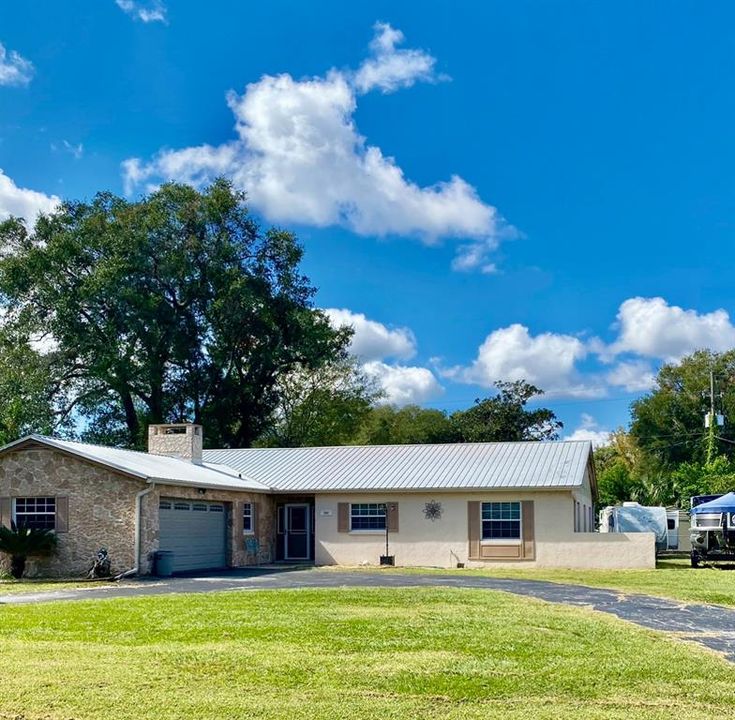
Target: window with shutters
[[247, 519], [367, 516], [35, 512], [501, 521]]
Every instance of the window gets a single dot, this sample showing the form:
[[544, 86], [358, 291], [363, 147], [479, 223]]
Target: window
[[216, 508], [182, 506], [36, 512], [199, 507], [501, 521], [247, 518], [164, 505], [367, 516]]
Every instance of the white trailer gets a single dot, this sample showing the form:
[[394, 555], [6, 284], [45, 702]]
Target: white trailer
[[633, 517]]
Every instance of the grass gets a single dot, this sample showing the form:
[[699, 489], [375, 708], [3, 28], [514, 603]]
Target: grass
[[8, 587], [347, 653], [671, 579]]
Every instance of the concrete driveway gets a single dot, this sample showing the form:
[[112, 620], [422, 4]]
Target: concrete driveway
[[710, 625]]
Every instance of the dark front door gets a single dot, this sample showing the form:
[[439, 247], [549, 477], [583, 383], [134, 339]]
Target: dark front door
[[297, 531]]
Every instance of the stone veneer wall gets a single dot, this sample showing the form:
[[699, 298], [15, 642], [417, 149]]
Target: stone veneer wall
[[102, 512], [237, 554], [101, 508]]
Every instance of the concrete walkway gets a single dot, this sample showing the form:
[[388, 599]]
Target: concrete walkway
[[710, 625]]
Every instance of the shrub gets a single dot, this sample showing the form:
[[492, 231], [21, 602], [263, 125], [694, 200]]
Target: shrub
[[22, 542]]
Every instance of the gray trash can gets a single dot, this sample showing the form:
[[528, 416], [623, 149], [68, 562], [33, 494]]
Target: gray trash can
[[163, 563]]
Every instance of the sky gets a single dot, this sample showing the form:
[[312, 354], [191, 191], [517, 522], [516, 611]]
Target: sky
[[484, 190]]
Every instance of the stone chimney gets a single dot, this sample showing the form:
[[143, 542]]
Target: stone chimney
[[183, 441]]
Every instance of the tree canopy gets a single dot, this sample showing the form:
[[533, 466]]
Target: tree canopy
[[175, 307], [505, 417], [668, 422]]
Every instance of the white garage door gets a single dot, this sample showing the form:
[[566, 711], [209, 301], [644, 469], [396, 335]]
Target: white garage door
[[195, 532]]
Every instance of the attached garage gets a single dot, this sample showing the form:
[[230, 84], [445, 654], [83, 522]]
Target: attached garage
[[195, 531]]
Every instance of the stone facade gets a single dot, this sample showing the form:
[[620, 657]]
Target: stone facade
[[102, 512], [236, 551], [101, 508]]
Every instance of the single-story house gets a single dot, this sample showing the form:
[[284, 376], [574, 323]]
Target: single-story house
[[475, 504]]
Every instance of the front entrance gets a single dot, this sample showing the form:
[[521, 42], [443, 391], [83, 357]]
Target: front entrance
[[295, 529]]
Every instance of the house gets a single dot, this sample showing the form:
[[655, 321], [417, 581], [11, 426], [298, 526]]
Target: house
[[526, 503]]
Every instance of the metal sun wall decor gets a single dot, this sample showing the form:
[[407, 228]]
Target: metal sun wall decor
[[432, 510]]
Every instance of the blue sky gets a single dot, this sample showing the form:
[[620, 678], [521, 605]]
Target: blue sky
[[485, 190]]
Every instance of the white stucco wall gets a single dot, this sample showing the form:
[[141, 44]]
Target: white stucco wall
[[444, 542]]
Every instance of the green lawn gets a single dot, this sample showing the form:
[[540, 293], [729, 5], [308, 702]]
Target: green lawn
[[33, 586], [671, 579], [347, 653]]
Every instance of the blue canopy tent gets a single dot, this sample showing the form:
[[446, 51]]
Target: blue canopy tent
[[724, 504]]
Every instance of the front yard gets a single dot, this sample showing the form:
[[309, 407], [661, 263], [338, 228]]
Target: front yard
[[357, 653], [673, 578], [8, 587]]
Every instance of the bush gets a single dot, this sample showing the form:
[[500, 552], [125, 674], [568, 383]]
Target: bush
[[22, 542]]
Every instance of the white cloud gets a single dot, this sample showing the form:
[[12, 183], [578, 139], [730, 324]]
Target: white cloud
[[21, 202], [404, 385], [300, 157], [547, 360], [154, 11], [633, 375], [590, 430], [14, 68], [389, 68], [373, 343], [373, 340], [652, 328], [76, 151]]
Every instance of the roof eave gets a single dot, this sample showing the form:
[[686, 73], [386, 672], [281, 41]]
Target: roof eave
[[49, 443], [208, 486]]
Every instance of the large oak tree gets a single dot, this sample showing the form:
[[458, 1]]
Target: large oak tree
[[175, 307]]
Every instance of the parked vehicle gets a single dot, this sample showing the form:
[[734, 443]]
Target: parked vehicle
[[632, 517], [713, 528]]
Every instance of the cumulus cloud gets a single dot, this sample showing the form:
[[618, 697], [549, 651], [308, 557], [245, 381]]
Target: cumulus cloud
[[547, 360], [146, 12], [298, 154], [389, 69], [652, 328], [14, 68], [633, 375], [404, 385], [373, 340], [590, 430], [373, 343], [22, 202]]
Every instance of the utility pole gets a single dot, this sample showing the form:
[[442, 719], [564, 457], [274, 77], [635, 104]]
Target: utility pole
[[712, 420]]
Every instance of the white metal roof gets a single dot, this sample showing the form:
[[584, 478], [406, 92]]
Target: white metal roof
[[468, 466], [153, 468], [368, 468]]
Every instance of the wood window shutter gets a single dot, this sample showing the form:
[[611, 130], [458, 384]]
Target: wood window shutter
[[474, 528], [62, 514], [237, 525], [391, 511], [343, 517], [6, 510], [528, 530], [255, 517]]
